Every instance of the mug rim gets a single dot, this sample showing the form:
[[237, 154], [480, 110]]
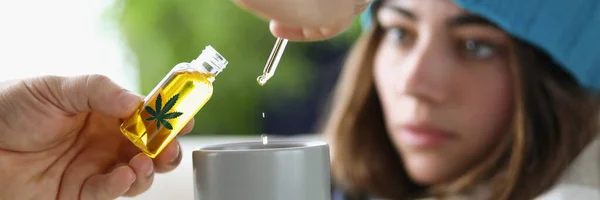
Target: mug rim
[[274, 146]]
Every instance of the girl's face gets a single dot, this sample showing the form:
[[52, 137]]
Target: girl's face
[[445, 85]]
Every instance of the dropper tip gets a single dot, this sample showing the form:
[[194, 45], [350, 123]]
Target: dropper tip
[[262, 80]]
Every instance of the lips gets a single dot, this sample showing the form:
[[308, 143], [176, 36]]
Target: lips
[[422, 135]]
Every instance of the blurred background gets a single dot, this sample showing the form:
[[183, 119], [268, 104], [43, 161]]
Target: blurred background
[[136, 43]]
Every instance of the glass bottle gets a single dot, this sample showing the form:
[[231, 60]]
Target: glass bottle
[[173, 102]]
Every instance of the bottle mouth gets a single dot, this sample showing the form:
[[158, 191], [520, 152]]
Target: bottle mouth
[[212, 60]]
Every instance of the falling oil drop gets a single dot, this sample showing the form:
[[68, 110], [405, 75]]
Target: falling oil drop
[[264, 138]]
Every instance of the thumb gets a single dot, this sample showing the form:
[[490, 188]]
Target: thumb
[[108, 186], [91, 93]]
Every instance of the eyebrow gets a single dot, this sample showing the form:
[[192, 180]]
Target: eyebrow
[[402, 11], [460, 20], [469, 19]]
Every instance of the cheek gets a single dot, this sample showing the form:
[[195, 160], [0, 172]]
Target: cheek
[[488, 104], [383, 66], [487, 112], [482, 117], [384, 74]]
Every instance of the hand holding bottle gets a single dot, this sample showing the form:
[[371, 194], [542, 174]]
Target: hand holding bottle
[[306, 20], [60, 139]]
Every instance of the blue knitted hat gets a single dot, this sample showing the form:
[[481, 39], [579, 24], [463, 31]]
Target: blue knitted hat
[[568, 30]]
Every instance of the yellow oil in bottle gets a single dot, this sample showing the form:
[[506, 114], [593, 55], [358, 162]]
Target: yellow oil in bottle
[[157, 121], [173, 103]]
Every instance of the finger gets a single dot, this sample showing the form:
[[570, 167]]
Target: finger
[[169, 159], [187, 128], [92, 93], [108, 186], [302, 13], [305, 34], [144, 171]]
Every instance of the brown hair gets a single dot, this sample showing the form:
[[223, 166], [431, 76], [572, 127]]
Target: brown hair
[[553, 120]]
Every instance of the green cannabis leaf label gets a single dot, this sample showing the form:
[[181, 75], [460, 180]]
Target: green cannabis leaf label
[[161, 115]]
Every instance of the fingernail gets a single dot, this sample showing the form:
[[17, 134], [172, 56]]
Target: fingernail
[[150, 171]]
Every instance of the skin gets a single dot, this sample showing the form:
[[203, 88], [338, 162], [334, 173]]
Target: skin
[[306, 20], [454, 80], [60, 139]]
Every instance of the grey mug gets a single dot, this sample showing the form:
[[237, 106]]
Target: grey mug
[[280, 170]]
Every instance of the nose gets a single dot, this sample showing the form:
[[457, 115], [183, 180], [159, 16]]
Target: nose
[[425, 73]]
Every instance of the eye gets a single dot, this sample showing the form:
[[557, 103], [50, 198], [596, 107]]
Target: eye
[[479, 49], [400, 35]]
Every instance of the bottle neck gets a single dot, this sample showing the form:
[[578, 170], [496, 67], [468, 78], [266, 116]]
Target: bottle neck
[[210, 61], [205, 67]]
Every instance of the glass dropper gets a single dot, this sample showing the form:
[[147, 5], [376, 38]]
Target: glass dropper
[[273, 61]]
